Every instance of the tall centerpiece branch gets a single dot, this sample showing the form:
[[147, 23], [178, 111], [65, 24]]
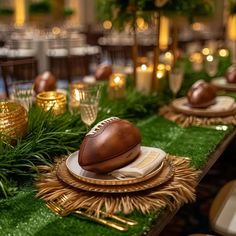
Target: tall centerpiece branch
[[156, 48]]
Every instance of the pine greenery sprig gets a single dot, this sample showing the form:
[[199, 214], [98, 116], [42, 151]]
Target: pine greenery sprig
[[232, 7], [120, 12], [48, 135]]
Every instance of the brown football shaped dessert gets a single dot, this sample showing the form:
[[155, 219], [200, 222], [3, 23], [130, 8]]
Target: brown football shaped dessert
[[231, 74], [201, 94], [103, 72], [45, 82], [111, 144]]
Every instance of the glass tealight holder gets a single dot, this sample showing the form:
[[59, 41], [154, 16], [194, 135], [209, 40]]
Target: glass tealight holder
[[52, 101], [117, 86], [75, 89], [23, 93], [196, 59], [13, 120]]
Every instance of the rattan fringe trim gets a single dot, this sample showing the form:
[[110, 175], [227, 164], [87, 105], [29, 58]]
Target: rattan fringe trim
[[186, 120], [179, 190]]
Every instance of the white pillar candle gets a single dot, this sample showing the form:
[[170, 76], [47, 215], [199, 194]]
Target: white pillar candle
[[144, 79]]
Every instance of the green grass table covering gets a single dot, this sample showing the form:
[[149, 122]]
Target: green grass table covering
[[23, 214]]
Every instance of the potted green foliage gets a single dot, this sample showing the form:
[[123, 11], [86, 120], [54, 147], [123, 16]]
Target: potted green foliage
[[68, 11], [6, 14], [39, 12]]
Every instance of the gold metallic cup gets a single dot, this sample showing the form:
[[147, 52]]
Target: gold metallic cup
[[52, 100], [13, 120]]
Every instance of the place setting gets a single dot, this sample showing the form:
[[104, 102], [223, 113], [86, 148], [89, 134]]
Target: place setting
[[228, 81], [113, 173], [201, 106]]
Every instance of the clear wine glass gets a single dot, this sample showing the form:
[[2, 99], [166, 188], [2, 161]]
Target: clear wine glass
[[211, 65], [89, 102], [176, 76], [22, 91]]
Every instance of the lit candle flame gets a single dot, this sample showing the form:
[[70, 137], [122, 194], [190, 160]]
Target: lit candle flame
[[223, 52], [143, 67], [117, 79], [209, 58]]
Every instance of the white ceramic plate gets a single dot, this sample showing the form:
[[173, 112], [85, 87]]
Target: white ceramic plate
[[104, 179], [222, 83]]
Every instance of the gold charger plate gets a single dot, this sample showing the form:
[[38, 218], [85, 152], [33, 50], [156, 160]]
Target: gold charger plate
[[163, 176], [181, 105], [104, 179], [222, 83]]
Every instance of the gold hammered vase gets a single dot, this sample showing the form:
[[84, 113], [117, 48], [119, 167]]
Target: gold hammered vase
[[13, 120]]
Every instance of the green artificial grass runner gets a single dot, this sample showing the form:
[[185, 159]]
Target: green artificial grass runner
[[25, 215]]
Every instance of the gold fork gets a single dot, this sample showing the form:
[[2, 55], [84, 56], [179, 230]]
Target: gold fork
[[59, 210], [64, 198]]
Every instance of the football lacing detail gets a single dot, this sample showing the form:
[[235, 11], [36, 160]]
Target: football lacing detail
[[99, 125]]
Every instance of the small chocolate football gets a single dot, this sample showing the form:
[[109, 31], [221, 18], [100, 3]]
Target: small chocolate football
[[111, 144], [45, 82], [103, 72], [201, 94], [231, 74]]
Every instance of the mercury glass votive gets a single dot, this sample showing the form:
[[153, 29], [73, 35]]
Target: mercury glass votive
[[52, 100], [13, 120], [117, 84], [197, 61], [160, 78]]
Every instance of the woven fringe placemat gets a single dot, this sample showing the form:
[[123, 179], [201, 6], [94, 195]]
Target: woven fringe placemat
[[178, 190], [186, 120]]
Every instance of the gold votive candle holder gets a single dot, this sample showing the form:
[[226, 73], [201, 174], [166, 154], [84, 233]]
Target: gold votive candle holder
[[197, 61], [117, 86], [13, 120], [75, 95], [52, 101], [160, 78]]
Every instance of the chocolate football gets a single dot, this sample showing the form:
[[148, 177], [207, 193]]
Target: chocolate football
[[231, 74], [45, 82], [201, 94], [103, 72], [111, 144]]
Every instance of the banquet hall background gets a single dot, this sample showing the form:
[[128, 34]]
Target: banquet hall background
[[52, 31]]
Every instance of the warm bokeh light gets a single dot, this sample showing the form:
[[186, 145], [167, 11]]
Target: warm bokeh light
[[56, 30], [143, 67], [107, 24], [196, 57], [117, 79], [164, 32], [161, 67], [197, 26], [19, 12], [205, 51], [224, 52], [209, 58], [231, 27], [168, 67], [160, 74], [140, 22]]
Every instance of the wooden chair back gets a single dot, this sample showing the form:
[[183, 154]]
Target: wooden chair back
[[18, 70]]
